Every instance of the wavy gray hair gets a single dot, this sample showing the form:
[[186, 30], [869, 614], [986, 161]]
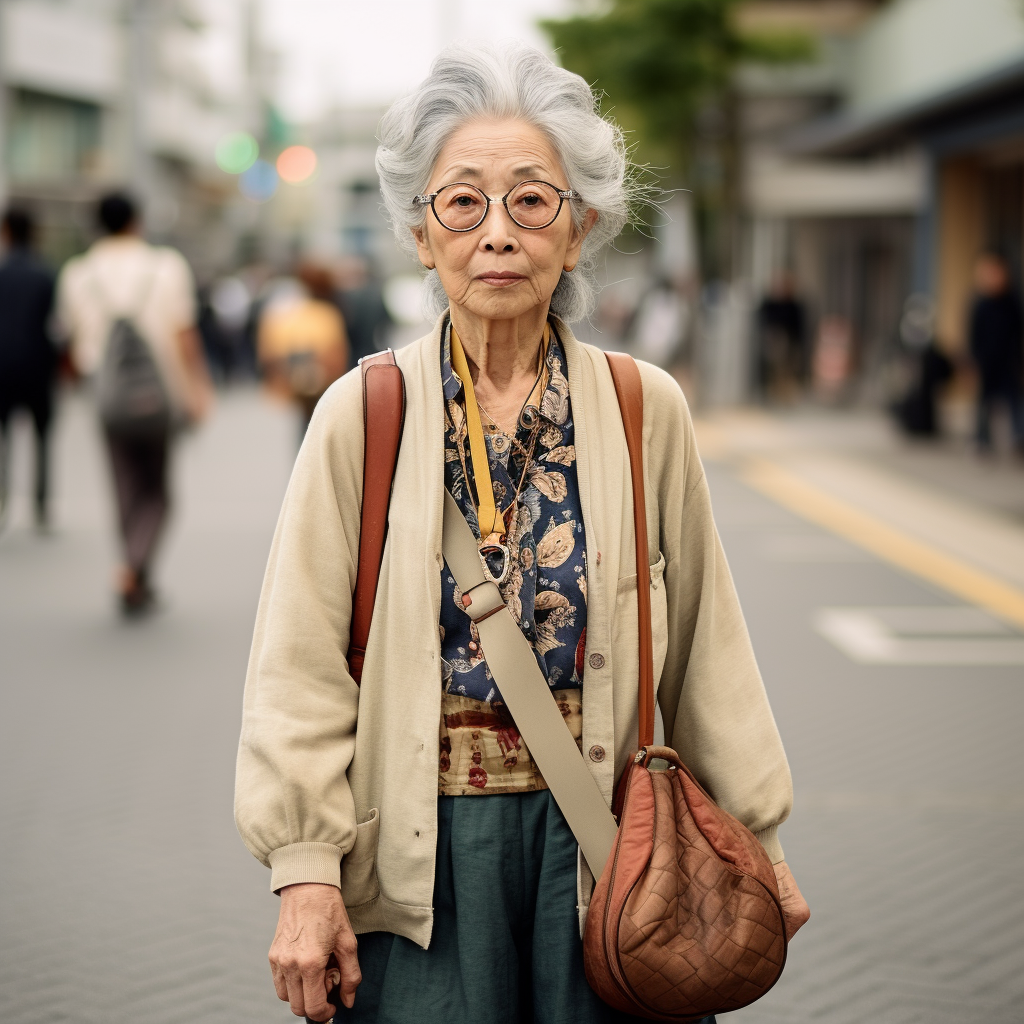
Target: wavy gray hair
[[512, 81]]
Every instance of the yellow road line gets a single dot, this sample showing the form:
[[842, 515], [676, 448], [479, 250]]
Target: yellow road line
[[887, 542]]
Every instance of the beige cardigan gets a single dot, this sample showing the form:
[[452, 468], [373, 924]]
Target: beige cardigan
[[314, 792]]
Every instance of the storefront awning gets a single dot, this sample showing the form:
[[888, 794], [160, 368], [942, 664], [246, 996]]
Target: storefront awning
[[856, 134]]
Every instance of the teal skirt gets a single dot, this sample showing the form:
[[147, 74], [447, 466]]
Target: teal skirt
[[506, 946]]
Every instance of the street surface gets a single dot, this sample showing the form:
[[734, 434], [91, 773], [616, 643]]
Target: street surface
[[887, 613]]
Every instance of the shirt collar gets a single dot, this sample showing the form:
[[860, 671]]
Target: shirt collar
[[451, 382]]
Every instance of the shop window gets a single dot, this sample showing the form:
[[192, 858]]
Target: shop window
[[51, 138]]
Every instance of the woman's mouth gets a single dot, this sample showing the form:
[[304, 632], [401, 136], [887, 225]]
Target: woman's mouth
[[500, 278]]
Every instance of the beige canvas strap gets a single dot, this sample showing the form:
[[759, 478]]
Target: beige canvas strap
[[525, 691]]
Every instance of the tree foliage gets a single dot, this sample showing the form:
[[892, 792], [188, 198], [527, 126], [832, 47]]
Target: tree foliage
[[660, 63], [665, 69]]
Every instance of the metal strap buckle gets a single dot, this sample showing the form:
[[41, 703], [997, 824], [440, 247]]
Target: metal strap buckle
[[506, 561]]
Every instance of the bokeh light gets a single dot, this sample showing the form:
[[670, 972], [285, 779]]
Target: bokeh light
[[237, 152], [259, 182], [296, 164]]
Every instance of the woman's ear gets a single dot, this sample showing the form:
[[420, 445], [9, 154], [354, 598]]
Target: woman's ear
[[572, 252], [423, 250]]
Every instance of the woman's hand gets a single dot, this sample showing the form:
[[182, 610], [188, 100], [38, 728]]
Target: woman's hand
[[794, 906], [313, 925]]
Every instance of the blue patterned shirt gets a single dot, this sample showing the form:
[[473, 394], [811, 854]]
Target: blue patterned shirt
[[546, 588]]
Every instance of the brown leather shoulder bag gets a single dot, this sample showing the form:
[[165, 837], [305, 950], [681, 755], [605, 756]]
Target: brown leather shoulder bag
[[685, 920]]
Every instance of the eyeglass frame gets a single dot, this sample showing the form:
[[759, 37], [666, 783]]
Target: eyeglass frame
[[427, 199]]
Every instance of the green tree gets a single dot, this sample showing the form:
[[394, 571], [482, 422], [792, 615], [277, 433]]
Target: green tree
[[666, 69]]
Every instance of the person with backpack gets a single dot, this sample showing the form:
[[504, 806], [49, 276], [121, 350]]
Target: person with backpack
[[28, 356], [129, 310]]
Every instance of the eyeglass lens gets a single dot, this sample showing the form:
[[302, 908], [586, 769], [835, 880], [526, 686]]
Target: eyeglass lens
[[531, 204]]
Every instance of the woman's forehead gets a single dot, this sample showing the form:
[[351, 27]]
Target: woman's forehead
[[492, 150]]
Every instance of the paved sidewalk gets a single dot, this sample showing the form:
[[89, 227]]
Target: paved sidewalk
[[127, 896], [948, 467]]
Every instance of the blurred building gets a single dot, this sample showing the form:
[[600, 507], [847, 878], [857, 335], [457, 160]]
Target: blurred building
[[347, 193], [886, 165], [110, 93]]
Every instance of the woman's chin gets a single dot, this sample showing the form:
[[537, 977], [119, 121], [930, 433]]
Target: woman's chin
[[503, 303]]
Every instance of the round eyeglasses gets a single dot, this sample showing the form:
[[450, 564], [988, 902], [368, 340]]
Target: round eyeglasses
[[463, 207]]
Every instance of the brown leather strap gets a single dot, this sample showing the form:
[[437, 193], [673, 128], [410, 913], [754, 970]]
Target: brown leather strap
[[383, 419], [630, 392]]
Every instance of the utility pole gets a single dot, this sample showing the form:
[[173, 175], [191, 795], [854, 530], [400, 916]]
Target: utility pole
[[140, 48]]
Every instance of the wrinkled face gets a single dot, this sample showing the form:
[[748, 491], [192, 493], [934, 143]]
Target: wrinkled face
[[499, 270]]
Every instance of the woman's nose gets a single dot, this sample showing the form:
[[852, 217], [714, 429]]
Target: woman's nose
[[498, 230]]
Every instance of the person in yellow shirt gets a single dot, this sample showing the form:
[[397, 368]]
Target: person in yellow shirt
[[302, 345]]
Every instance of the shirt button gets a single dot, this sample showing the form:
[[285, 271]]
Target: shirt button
[[596, 661], [597, 753]]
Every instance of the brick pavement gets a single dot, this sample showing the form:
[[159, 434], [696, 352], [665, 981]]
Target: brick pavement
[[907, 829], [126, 895]]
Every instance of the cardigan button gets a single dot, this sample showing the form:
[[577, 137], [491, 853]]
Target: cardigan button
[[597, 753], [596, 661]]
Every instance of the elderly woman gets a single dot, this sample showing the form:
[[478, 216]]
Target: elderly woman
[[409, 811]]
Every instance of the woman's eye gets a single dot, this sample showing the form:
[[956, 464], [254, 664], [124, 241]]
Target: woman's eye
[[464, 200], [530, 200]]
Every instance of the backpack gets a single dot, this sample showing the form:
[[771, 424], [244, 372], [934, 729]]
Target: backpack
[[131, 394]]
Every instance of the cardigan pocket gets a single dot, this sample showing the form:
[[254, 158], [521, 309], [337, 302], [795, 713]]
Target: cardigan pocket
[[626, 615], [359, 866]]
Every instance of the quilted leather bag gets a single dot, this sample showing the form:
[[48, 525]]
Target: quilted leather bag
[[685, 920]]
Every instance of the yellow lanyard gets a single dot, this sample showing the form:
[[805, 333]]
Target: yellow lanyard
[[492, 525]]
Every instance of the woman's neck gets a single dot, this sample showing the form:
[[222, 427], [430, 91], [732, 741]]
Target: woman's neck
[[503, 357]]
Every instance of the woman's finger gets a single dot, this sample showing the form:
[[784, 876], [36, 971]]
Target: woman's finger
[[314, 994], [345, 951], [280, 986], [296, 994]]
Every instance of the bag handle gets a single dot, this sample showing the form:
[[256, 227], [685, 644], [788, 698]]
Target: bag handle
[[630, 393], [383, 420]]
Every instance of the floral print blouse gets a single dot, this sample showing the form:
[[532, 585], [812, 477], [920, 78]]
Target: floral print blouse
[[546, 588]]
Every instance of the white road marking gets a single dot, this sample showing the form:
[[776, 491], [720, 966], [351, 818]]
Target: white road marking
[[921, 636]]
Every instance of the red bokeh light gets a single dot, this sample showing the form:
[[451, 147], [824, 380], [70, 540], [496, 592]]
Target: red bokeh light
[[296, 164]]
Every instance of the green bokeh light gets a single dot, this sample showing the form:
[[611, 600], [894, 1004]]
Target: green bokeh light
[[237, 152]]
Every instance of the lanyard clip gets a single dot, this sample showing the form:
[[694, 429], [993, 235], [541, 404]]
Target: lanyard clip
[[492, 552]]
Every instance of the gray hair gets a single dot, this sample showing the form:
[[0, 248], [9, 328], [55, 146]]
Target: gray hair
[[514, 81]]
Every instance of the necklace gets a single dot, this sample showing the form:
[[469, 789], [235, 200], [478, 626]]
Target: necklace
[[527, 417], [493, 531]]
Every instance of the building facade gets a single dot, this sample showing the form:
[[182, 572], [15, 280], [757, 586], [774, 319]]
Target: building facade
[[99, 94], [883, 169]]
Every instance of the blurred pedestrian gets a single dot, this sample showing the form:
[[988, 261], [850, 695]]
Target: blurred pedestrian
[[28, 356], [927, 367], [662, 320], [229, 308], [782, 340], [997, 347], [302, 343], [361, 300], [130, 310]]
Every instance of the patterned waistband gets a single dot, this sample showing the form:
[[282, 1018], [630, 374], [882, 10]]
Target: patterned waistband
[[482, 751]]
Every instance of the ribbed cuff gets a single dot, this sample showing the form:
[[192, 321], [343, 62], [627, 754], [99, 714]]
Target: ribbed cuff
[[769, 839], [305, 862]]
